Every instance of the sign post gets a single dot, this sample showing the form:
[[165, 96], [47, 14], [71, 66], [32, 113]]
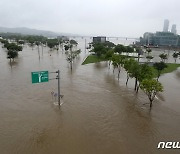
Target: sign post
[[41, 76], [58, 78]]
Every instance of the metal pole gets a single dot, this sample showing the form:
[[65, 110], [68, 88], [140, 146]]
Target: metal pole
[[85, 45], [58, 77]]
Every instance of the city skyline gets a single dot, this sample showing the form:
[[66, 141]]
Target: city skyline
[[96, 17]]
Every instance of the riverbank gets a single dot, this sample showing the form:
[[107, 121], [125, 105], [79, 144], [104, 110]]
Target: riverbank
[[170, 68], [94, 59]]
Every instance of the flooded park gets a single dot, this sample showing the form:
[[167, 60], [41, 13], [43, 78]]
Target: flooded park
[[98, 115]]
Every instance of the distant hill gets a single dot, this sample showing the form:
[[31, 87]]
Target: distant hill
[[29, 31]]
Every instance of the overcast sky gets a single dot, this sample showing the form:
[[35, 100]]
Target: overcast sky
[[129, 18]]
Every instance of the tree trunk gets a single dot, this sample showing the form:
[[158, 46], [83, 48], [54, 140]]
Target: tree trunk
[[137, 89], [109, 64], [135, 84], [113, 69], [127, 79], [151, 103], [71, 59], [118, 74], [42, 49]]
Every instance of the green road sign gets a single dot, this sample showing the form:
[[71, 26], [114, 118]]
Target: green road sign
[[41, 76]]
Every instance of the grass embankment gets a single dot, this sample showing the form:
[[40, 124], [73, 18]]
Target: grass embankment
[[93, 59], [171, 67]]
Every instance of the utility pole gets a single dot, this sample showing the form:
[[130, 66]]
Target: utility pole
[[85, 45], [58, 78]]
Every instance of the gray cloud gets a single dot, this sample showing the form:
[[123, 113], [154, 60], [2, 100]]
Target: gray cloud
[[98, 17]]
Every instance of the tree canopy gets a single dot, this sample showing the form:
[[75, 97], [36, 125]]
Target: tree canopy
[[151, 88], [159, 66]]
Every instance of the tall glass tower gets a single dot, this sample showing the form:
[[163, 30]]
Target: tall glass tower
[[166, 25], [173, 29]]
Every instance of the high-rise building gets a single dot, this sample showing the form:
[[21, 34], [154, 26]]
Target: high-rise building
[[173, 29], [166, 25]]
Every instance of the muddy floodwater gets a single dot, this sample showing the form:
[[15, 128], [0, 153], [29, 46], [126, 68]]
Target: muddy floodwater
[[99, 115]]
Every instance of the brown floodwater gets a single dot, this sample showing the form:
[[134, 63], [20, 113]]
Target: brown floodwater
[[99, 115]]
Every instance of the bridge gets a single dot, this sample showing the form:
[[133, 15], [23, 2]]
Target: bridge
[[107, 37]]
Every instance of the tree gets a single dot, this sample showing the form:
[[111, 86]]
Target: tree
[[175, 56], [71, 55], [151, 88], [118, 61], [149, 50], [21, 42], [128, 66], [134, 73], [12, 50], [4, 41], [12, 54], [99, 49], [13, 46], [129, 49], [149, 58], [31, 41], [66, 47], [51, 43], [163, 57], [109, 44], [73, 42], [145, 72], [138, 50], [109, 55], [159, 67], [120, 48]]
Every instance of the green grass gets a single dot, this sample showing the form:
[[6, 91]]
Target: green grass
[[171, 67], [93, 59]]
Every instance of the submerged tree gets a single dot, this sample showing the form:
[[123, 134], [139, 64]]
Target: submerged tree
[[159, 67], [13, 46], [149, 58], [128, 66], [108, 56], [52, 43], [163, 57], [118, 62], [12, 54], [134, 73], [73, 42], [70, 53], [151, 88], [149, 51], [175, 56], [12, 50], [145, 72]]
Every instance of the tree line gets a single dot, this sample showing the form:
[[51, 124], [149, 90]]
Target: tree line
[[143, 73]]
